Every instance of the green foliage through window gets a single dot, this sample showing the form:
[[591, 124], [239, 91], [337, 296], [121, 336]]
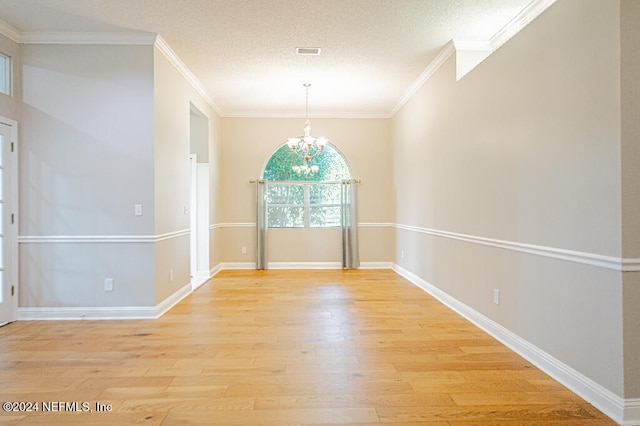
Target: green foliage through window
[[299, 199], [331, 166]]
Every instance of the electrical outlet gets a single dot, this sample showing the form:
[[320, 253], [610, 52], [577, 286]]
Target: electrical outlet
[[137, 209], [171, 275], [108, 284], [496, 296], [401, 254], [244, 250]]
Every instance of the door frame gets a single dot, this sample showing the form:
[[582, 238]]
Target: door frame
[[11, 233]]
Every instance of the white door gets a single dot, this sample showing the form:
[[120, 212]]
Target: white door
[[8, 240]]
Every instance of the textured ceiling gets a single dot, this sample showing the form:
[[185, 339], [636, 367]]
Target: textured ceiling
[[243, 51]]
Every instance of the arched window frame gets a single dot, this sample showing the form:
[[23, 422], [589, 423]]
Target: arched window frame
[[303, 201]]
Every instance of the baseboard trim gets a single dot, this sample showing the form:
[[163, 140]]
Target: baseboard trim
[[631, 415], [376, 265], [298, 265], [86, 313], [103, 313], [625, 412], [232, 266], [171, 301], [305, 265]]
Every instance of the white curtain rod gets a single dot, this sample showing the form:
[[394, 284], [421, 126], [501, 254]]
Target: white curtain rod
[[303, 181]]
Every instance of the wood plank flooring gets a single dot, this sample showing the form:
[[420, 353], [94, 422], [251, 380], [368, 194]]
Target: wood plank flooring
[[282, 347]]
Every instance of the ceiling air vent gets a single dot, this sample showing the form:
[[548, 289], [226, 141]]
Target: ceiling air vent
[[307, 51]]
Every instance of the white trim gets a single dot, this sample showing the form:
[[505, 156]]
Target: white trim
[[597, 260], [50, 239], [252, 225], [233, 225], [214, 271], [236, 266], [524, 18], [170, 235], [171, 301], [298, 265], [304, 265], [602, 261], [89, 313], [104, 313], [10, 32], [631, 414], [199, 279], [519, 22], [376, 225], [431, 69], [630, 265], [114, 38], [622, 411], [295, 114], [475, 46], [376, 265], [173, 58]]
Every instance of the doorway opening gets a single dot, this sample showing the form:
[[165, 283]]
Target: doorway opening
[[200, 200]]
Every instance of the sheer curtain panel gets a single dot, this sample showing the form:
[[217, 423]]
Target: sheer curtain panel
[[350, 254], [261, 225]]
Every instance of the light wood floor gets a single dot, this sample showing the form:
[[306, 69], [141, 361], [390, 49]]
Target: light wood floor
[[284, 347]]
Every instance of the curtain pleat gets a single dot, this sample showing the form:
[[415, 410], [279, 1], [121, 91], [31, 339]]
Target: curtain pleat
[[261, 225], [349, 220]]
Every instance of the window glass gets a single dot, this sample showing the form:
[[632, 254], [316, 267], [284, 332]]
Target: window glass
[[304, 196], [330, 164]]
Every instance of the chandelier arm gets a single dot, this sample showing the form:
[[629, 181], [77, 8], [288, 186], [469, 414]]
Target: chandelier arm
[[307, 146]]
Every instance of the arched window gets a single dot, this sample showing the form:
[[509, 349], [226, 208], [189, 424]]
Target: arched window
[[300, 195]]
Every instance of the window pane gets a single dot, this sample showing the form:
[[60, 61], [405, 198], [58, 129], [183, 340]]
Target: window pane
[[285, 217], [5, 74], [325, 216], [330, 163], [285, 194], [324, 193]]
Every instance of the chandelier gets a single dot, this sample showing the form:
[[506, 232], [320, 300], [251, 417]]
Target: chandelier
[[307, 146]]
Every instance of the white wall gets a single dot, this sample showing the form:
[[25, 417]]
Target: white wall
[[173, 100], [105, 127], [524, 150], [86, 145], [365, 144]]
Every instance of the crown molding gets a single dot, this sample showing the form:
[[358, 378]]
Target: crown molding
[[526, 16], [476, 46], [513, 27], [173, 58], [118, 38], [112, 38], [10, 32], [254, 114], [517, 24], [442, 56]]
